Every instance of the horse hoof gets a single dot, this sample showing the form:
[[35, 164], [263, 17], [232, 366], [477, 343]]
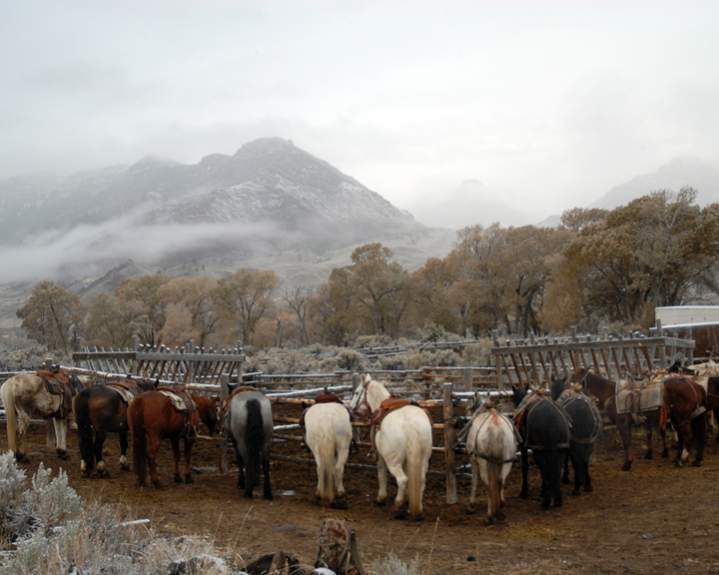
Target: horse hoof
[[248, 495], [648, 455], [490, 521], [267, 496], [125, 467], [697, 463], [156, 484], [575, 492], [545, 504], [178, 478], [678, 463], [380, 502], [588, 488], [418, 518], [62, 454], [103, 473], [558, 502], [21, 457], [524, 494], [188, 479], [665, 453], [339, 504], [470, 510], [627, 466], [400, 512], [500, 516]]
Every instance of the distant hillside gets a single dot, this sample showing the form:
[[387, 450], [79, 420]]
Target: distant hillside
[[469, 203], [674, 175]]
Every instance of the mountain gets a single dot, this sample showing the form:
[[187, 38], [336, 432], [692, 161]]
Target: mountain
[[269, 205], [674, 175], [469, 203]]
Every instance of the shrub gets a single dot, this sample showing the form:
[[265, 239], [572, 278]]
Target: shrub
[[393, 565]]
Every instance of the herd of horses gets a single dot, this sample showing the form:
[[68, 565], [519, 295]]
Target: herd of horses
[[558, 426]]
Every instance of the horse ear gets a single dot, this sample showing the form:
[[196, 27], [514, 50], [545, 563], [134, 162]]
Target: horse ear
[[366, 379]]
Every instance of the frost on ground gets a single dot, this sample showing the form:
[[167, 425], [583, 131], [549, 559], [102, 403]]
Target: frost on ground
[[45, 527]]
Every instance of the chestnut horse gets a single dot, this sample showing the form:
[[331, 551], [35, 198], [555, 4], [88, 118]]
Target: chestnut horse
[[100, 409], [686, 401], [152, 416]]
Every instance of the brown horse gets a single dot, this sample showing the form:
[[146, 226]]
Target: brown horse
[[604, 390], [686, 402], [168, 412], [101, 409]]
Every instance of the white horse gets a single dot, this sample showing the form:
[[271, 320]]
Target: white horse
[[403, 442], [328, 434], [492, 446], [25, 396]]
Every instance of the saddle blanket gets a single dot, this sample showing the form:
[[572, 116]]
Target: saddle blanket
[[177, 402], [126, 395], [635, 397]]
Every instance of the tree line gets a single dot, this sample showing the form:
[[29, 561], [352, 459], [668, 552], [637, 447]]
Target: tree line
[[598, 267]]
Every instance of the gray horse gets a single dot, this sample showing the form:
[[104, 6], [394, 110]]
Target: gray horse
[[249, 423]]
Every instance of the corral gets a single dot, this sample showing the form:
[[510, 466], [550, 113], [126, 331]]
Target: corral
[[654, 517]]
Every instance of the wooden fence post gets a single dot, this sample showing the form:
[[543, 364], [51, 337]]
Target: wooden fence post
[[449, 442], [224, 394]]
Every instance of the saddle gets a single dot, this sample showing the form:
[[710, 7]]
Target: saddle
[[637, 396], [568, 397], [386, 407], [183, 403], [324, 397], [525, 412], [58, 383], [127, 389]]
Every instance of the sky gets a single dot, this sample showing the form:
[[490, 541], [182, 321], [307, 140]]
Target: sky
[[544, 104]]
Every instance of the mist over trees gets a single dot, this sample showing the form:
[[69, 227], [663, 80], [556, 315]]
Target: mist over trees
[[598, 268]]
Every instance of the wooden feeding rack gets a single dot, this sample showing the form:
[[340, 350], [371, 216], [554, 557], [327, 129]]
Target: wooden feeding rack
[[534, 361], [181, 364]]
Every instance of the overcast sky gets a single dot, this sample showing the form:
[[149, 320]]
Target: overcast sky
[[544, 101]]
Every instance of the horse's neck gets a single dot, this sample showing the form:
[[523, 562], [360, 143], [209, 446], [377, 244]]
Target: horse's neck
[[601, 388], [376, 394]]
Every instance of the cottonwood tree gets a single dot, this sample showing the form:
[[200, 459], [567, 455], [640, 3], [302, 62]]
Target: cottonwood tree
[[297, 300], [111, 322], [246, 296], [50, 315], [190, 302], [143, 293]]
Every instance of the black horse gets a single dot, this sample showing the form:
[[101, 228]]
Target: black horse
[[586, 426], [545, 429]]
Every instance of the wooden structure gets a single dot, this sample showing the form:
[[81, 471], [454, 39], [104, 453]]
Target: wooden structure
[[534, 361], [181, 365]]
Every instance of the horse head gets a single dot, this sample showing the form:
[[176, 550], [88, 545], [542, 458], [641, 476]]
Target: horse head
[[359, 407], [518, 394]]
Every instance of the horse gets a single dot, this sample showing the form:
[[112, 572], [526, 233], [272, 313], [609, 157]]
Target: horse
[[248, 421], [492, 447], [328, 434], [167, 412], [586, 427], [704, 372], [545, 429], [100, 409], [686, 402], [604, 390], [28, 395], [403, 441]]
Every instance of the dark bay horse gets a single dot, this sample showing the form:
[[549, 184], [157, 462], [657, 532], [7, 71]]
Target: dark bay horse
[[605, 391], [101, 409], [545, 429], [586, 427], [167, 413]]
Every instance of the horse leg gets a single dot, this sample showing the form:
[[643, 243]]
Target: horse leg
[[556, 459], [382, 481], [266, 485], [175, 442], [123, 451], [663, 436], [400, 502], [153, 446], [475, 481], [524, 493], [648, 431], [188, 443], [565, 474], [23, 421], [60, 425], [679, 428], [342, 455], [699, 430], [545, 492], [625, 433], [99, 443]]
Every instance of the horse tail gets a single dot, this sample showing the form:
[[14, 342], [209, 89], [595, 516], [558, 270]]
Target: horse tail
[[254, 440], [326, 458], [416, 469], [494, 484], [136, 418], [8, 399], [84, 430]]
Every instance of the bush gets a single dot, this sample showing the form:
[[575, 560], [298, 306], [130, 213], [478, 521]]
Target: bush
[[393, 565]]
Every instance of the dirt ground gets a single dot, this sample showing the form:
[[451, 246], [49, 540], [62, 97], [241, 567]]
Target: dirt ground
[[656, 518]]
